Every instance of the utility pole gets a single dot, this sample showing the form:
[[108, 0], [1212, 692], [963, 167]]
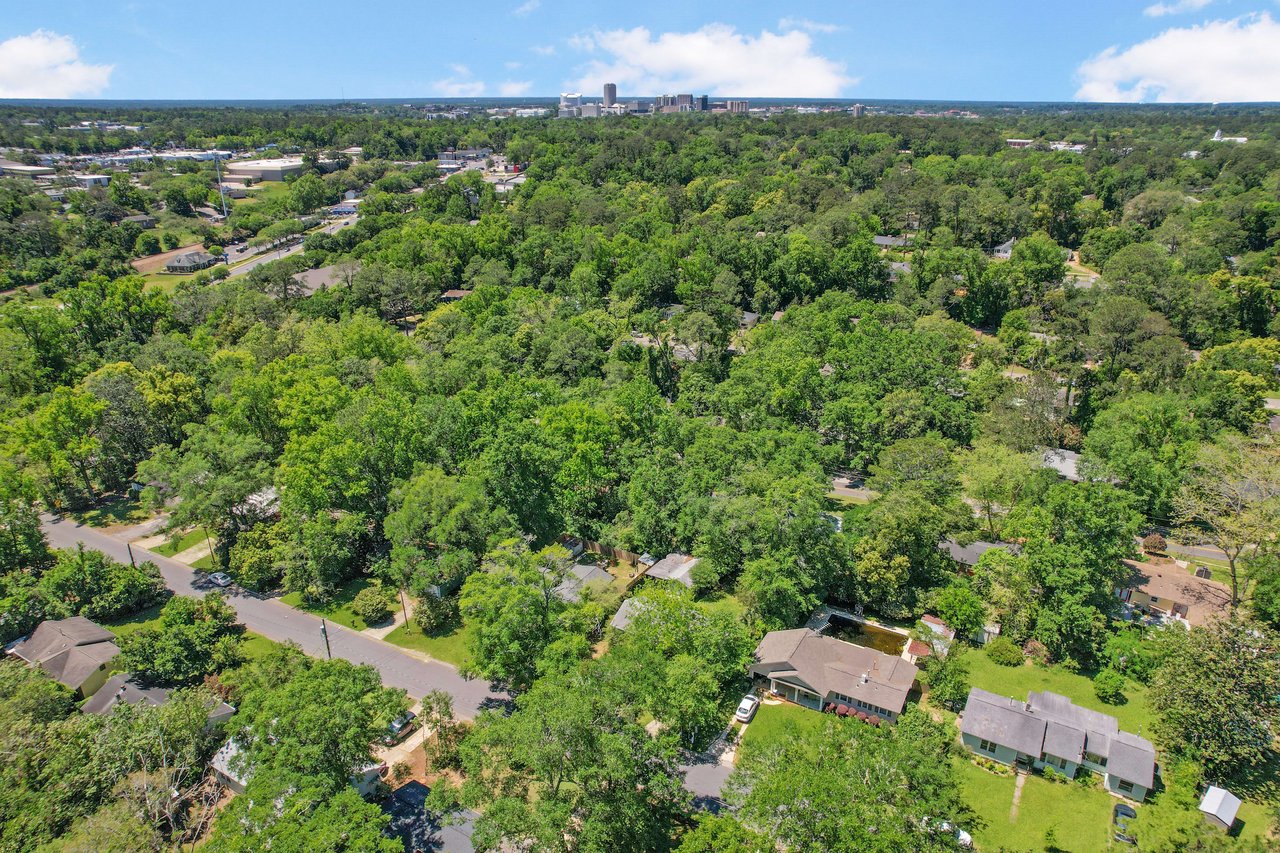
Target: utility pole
[[324, 632], [222, 193], [132, 561]]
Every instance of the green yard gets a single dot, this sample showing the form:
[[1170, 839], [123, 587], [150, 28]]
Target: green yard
[[1080, 817], [450, 648], [772, 723], [1134, 716], [112, 511], [338, 609], [255, 646], [149, 618], [190, 539]]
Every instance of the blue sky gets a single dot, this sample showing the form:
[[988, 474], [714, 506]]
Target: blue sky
[[1149, 50]]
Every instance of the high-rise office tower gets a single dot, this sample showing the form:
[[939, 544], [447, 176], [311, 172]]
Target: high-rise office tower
[[610, 94], [684, 100], [702, 103], [859, 110]]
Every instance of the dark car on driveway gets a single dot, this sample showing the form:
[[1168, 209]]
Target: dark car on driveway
[[1120, 817]]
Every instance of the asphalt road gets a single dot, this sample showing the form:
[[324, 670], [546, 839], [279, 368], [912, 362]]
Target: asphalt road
[[276, 254], [280, 622]]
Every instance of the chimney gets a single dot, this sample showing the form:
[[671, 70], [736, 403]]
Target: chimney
[[865, 677]]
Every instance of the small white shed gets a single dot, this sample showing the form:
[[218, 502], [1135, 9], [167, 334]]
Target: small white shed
[[1219, 807]]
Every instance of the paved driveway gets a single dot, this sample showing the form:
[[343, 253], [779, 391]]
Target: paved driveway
[[280, 622]]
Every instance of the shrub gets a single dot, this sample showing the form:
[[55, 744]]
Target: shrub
[[1109, 686], [371, 605], [1154, 543], [1002, 651], [435, 614], [1052, 774]]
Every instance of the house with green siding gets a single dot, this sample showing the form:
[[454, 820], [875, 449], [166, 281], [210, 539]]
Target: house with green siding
[[1049, 730]]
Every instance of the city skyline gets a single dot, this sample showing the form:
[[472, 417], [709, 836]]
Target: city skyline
[[1137, 50]]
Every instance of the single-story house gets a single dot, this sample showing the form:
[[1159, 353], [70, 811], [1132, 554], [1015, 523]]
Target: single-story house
[[674, 567], [123, 689], [581, 574], [1219, 807], [346, 208], [967, 556], [235, 776], [454, 295], [748, 321], [1049, 730], [189, 262], [87, 181], [885, 241], [627, 612], [817, 671], [1173, 594], [1004, 251], [74, 652], [897, 269], [142, 220], [1065, 462]]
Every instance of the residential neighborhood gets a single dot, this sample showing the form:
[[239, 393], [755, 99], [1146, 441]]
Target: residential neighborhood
[[670, 461]]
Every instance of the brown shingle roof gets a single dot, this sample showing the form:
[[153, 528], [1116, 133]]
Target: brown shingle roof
[[1204, 598], [828, 665], [70, 650]]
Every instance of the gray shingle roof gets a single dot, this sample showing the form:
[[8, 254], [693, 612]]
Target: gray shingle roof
[[1051, 723], [122, 689], [629, 610], [968, 555], [1004, 721], [674, 567], [580, 574], [1133, 759]]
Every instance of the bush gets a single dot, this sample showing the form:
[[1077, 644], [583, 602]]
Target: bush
[[1154, 543], [436, 614], [1052, 774], [1002, 651], [1108, 685], [371, 605]]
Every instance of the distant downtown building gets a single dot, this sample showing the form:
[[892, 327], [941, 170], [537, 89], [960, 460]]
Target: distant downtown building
[[610, 94], [736, 106], [859, 110]]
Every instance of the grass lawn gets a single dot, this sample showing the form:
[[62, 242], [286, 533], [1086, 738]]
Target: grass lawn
[[338, 609], [774, 722], [450, 648], [264, 191], [1080, 816], [204, 564], [256, 646], [148, 618], [113, 511], [190, 539], [1134, 716], [727, 603]]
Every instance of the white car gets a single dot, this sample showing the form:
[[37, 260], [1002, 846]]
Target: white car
[[221, 579], [746, 709]]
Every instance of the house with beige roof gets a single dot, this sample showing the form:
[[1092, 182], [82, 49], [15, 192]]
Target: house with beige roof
[[74, 652], [1173, 594], [817, 671]]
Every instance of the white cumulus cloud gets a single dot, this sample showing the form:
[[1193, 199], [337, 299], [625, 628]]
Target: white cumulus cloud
[[514, 88], [528, 7], [716, 59], [1235, 60], [1159, 10], [544, 49], [461, 84], [48, 65]]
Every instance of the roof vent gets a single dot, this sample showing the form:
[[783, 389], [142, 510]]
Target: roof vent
[[865, 678], [1204, 572]]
